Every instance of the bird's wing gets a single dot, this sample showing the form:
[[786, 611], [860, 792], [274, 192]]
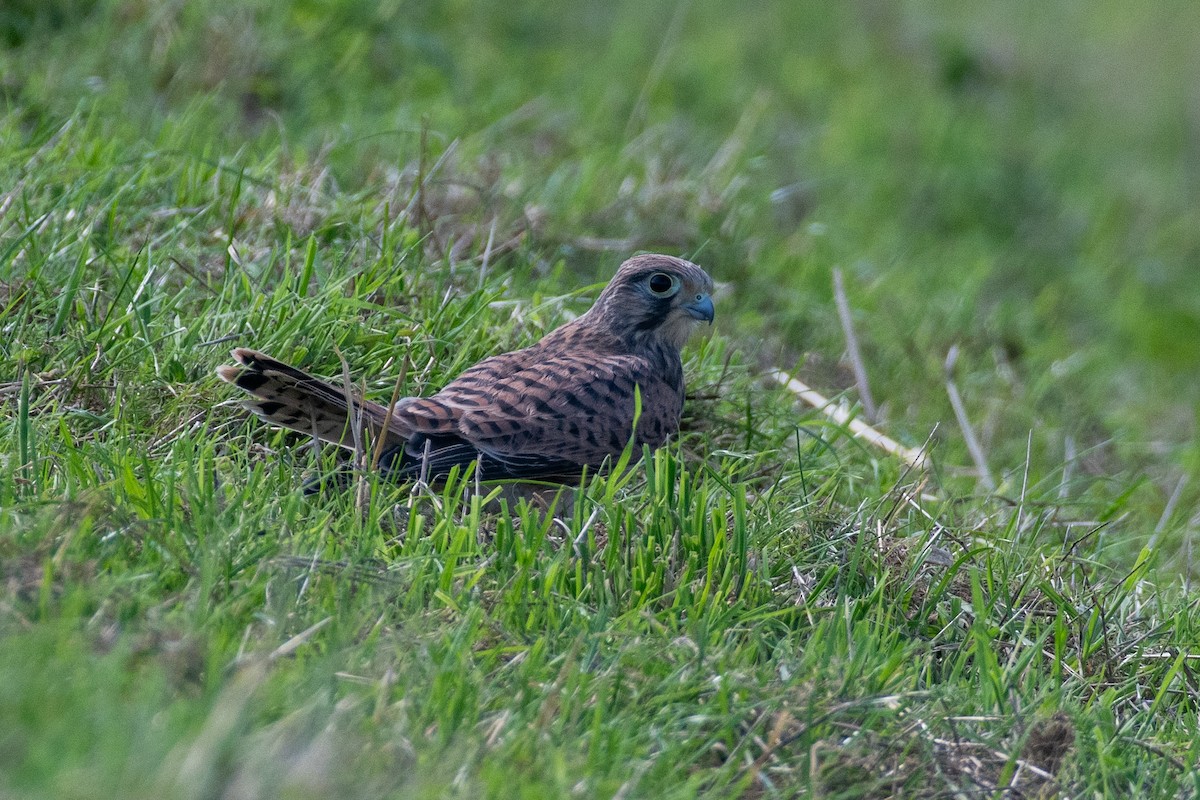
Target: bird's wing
[[533, 415], [572, 406]]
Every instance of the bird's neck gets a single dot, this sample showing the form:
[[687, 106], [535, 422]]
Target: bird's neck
[[594, 335]]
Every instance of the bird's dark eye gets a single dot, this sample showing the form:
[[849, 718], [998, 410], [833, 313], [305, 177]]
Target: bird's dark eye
[[663, 284]]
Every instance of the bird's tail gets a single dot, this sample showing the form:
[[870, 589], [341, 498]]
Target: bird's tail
[[285, 396]]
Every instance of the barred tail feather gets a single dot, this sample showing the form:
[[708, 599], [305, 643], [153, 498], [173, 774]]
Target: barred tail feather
[[290, 398]]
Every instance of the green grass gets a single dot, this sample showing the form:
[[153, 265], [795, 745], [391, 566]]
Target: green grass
[[767, 608]]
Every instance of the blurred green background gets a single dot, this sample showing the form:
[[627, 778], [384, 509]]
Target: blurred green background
[[1019, 179], [760, 612]]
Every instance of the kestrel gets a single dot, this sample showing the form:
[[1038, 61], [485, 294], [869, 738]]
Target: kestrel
[[547, 412]]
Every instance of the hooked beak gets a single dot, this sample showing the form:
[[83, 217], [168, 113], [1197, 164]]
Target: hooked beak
[[700, 308]]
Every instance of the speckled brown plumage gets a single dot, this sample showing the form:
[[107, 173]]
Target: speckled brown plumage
[[546, 412]]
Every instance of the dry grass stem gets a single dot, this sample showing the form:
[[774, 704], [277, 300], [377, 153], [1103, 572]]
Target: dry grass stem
[[354, 415], [856, 360], [964, 423]]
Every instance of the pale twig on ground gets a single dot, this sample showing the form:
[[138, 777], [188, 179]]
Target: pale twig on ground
[[839, 412], [960, 413], [852, 348], [293, 644]]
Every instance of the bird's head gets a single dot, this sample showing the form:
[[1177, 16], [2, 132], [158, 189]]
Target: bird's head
[[655, 297]]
